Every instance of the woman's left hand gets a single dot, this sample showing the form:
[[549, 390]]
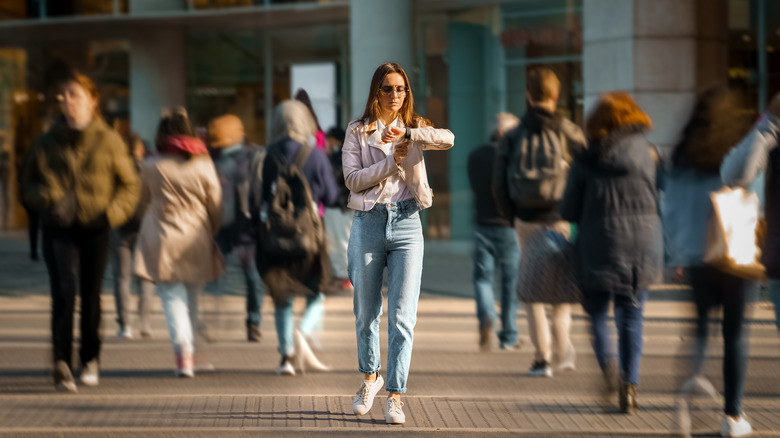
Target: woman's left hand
[[392, 134]]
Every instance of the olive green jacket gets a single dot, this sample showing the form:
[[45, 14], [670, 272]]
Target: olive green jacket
[[81, 177]]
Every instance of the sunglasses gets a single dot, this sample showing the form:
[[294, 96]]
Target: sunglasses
[[388, 90]]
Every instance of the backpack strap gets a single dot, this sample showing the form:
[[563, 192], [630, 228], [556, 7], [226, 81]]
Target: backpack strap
[[303, 155]]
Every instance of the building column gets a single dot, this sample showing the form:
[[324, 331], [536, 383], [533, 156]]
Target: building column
[[157, 77], [663, 52], [379, 31]]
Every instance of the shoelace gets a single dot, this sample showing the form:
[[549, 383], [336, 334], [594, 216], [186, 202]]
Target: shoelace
[[395, 406], [362, 393]]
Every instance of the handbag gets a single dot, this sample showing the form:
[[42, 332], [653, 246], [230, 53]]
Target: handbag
[[547, 270], [734, 234]]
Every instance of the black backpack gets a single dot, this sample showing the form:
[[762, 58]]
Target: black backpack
[[537, 168], [290, 228]]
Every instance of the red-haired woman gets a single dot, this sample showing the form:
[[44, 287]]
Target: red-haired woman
[[385, 173], [611, 194]]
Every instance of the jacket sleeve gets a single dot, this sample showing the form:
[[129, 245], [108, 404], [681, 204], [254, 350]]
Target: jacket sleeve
[[126, 190], [330, 190], [749, 158], [213, 196], [432, 138], [574, 195], [357, 177], [500, 169], [34, 190]]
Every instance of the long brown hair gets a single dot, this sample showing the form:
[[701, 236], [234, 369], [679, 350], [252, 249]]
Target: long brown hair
[[615, 110], [406, 113], [718, 122]]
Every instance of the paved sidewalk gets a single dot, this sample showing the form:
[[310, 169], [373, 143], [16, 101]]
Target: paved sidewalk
[[454, 389]]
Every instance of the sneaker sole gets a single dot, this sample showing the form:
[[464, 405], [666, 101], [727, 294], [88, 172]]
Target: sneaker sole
[[67, 387]]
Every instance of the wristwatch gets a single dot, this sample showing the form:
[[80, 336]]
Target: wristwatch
[[408, 134]]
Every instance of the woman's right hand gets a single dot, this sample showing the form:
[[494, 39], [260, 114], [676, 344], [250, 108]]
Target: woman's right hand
[[400, 152]]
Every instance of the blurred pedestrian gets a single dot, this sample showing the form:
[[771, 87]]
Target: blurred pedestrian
[[384, 169], [495, 243], [82, 182], [338, 219], [529, 178], [123, 240], [233, 160], [619, 244], [755, 154], [5, 185], [176, 248], [291, 255]]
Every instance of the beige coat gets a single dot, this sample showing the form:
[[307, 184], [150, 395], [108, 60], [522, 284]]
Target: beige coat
[[176, 240], [367, 163]]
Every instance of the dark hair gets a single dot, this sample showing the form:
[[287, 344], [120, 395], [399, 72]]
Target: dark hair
[[302, 96], [614, 110], [542, 84], [337, 133], [406, 113], [173, 123], [718, 122]]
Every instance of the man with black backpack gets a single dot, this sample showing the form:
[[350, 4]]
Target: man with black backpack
[[528, 181], [292, 256], [233, 159]]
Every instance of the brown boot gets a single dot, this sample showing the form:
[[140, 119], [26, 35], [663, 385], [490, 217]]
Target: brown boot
[[628, 403], [486, 336]]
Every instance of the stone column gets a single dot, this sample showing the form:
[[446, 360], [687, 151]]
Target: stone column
[[157, 77], [661, 51], [379, 31]]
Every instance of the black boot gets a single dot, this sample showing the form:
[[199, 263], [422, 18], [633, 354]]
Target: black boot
[[628, 403]]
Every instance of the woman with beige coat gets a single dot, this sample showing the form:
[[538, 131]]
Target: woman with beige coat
[[176, 246]]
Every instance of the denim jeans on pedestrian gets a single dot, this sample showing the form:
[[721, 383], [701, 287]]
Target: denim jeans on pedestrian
[[774, 295], [629, 319], [387, 235], [283, 316], [497, 246], [713, 289], [122, 263], [255, 289], [180, 305]]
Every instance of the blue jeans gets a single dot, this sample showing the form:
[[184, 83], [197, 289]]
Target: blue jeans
[[629, 319], [774, 295], [255, 290], [283, 317], [497, 245], [387, 235], [180, 305]]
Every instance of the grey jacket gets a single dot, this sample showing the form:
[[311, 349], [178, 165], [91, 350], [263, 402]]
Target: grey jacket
[[367, 163], [757, 153]]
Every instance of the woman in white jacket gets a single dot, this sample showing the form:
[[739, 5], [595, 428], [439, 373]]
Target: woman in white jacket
[[385, 173]]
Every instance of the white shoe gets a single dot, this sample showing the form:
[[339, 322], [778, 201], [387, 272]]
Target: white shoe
[[89, 373], [540, 369], [566, 362], [304, 355], [125, 333], [285, 368], [729, 427], [394, 414], [364, 398]]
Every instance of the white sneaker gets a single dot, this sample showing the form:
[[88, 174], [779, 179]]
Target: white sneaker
[[364, 398], [394, 413], [729, 427], [89, 373], [540, 369], [125, 333], [285, 368]]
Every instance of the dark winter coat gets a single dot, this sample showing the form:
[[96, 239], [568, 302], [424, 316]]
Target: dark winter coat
[[611, 194], [319, 174]]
